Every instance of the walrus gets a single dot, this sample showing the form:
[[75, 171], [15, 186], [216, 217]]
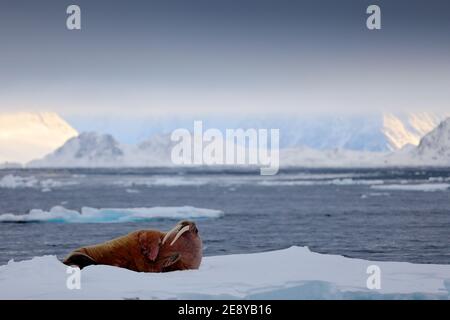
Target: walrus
[[145, 250]]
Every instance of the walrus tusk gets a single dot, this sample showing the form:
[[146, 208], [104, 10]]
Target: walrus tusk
[[168, 234], [185, 228]]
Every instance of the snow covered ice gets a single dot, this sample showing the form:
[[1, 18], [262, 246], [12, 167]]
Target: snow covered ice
[[14, 182], [293, 273], [110, 215], [415, 187]]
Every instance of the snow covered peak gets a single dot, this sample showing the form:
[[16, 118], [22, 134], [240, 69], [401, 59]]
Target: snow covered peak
[[89, 149], [91, 144], [435, 146], [160, 142], [26, 136], [401, 130]]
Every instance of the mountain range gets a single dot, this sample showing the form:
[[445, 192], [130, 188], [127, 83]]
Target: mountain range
[[410, 139], [359, 132]]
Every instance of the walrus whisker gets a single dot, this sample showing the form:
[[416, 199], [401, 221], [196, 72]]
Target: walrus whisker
[[168, 234], [185, 228]]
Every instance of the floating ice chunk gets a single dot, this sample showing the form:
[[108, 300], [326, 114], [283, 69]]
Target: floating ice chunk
[[375, 194], [339, 182], [415, 187], [132, 191], [169, 181], [348, 181], [13, 182], [438, 179], [111, 215]]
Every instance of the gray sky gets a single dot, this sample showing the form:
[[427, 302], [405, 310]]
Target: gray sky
[[224, 56]]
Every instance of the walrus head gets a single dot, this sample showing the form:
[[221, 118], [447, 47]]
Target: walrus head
[[180, 248]]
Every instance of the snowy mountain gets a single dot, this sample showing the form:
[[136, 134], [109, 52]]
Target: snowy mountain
[[86, 150], [154, 151], [434, 148], [376, 133], [92, 149], [352, 146], [27, 136], [359, 132], [401, 130]]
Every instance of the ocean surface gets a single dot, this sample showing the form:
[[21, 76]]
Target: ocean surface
[[376, 214]]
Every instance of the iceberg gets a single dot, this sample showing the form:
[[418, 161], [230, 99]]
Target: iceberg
[[293, 273], [110, 215], [427, 187]]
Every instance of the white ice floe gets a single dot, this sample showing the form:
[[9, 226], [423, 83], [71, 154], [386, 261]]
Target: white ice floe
[[110, 215], [375, 194], [288, 180], [415, 187], [12, 182], [132, 191], [338, 182], [294, 273], [16, 182], [164, 181], [439, 179]]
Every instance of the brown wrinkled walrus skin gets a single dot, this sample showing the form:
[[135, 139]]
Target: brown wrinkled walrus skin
[[145, 250]]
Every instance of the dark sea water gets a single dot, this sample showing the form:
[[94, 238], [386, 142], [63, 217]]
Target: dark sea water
[[355, 213]]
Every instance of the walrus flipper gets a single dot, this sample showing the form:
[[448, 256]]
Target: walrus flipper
[[169, 262], [149, 244], [79, 259]]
